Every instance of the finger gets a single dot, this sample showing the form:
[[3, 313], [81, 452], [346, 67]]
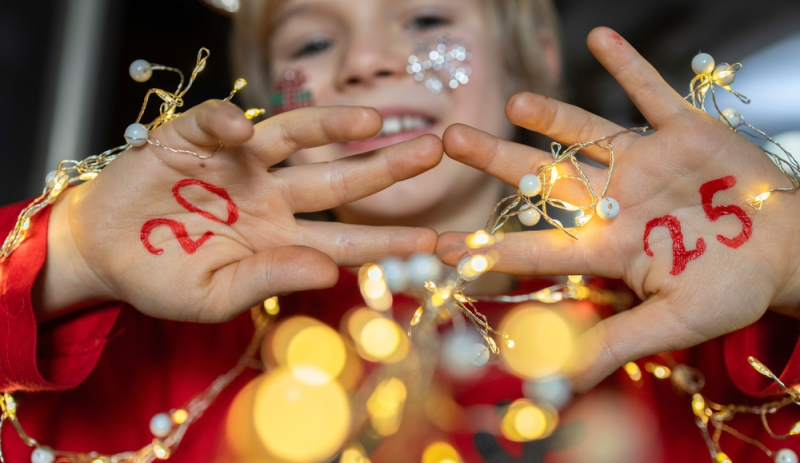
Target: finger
[[355, 245], [273, 272], [651, 328], [649, 92], [321, 186], [211, 123], [542, 252], [562, 122], [511, 161], [281, 136]]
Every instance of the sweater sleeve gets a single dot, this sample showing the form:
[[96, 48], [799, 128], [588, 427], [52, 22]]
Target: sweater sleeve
[[775, 341], [56, 355]]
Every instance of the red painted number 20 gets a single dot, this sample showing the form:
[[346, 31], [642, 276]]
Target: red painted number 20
[[179, 229]]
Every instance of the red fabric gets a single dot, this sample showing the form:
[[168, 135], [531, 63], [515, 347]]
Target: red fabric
[[73, 398]]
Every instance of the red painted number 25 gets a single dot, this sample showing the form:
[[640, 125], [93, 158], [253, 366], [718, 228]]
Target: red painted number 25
[[680, 256]]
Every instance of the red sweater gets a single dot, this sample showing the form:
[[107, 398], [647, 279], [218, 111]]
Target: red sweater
[[92, 380]]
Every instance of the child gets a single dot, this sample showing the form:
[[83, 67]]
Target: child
[[354, 52]]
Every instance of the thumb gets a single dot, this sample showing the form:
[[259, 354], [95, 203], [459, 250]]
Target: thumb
[[248, 282], [650, 328]]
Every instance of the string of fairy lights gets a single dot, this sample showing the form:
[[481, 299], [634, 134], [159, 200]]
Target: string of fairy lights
[[359, 406]]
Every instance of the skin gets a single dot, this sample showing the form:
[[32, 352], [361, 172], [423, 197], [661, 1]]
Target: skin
[[95, 252], [360, 57], [655, 175]]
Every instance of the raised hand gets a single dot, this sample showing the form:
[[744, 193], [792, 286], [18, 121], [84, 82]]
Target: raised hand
[[704, 262], [185, 238]]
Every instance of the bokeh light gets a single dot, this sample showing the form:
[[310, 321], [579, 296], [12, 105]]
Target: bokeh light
[[525, 421], [316, 354], [543, 341], [385, 406], [373, 287], [301, 422], [440, 452], [378, 339]]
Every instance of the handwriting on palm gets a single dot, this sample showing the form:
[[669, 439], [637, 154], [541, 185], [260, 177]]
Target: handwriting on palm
[[205, 239], [684, 242]]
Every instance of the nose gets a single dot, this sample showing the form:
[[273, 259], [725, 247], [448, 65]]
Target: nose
[[372, 58]]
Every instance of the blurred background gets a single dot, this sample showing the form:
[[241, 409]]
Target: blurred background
[[66, 93]]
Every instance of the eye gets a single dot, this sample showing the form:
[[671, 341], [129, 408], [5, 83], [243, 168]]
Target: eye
[[427, 21], [313, 47]]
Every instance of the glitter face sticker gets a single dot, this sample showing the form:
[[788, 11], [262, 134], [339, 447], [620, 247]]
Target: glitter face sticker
[[440, 62], [291, 92]]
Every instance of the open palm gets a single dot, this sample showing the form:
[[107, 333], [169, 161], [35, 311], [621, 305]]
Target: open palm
[[731, 262], [181, 237]]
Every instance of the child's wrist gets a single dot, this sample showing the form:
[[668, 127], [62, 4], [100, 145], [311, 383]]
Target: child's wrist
[[65, 283]]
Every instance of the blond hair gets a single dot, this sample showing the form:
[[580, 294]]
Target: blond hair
[[521, 27]]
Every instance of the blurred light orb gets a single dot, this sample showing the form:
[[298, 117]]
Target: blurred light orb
[[380, 338], [440, 452], [385, 406], [301, 422], [354, 454], [394, 272], [422, 268], [543, 341], [316, 354], [525, 421]]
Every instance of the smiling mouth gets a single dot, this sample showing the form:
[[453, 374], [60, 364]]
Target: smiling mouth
[[393, 125]]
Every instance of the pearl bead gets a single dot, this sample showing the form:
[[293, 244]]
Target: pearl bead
[[423, 268], [528, 215], [394, 272], [50, 180], [553, 390], [607, 208], [786, 456], [140, 70], [480, 354], [136, 135], [728, 79], [703, 63], [161, 425], [733, 117], [530, 185], [42, 455]]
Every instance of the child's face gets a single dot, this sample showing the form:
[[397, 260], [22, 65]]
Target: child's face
[[355, 52]]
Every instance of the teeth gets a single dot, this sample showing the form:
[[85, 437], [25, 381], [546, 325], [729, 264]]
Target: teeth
[[397, 124]]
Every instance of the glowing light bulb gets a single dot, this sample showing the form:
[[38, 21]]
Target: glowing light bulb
[[480, 239], [758, 201], [525, 421], [271, 306], [180, 416], [632, 369], [417, 317], [722, 458]]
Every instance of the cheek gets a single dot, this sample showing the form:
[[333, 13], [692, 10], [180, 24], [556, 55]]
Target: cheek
[[481, 103]]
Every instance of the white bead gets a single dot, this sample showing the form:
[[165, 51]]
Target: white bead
[[423, 267], [161, 425], [607, 208], [50, 180], [460, 356], [136, 134], [728, 79], [786, 456], [530, 185], [140, 70], [733, 117], [553, 390], [395, 274], [479, 355], [703, 63], [528, 215], [42, 455]]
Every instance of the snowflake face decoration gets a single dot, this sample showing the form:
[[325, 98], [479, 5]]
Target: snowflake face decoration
[[440, 62]]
